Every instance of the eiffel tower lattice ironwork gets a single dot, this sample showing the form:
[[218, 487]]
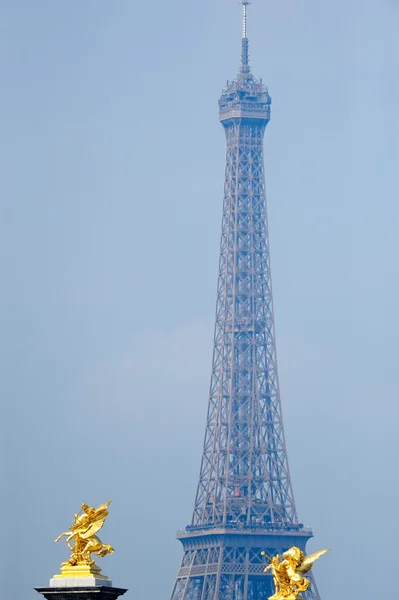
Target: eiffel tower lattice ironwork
[[244, 502]]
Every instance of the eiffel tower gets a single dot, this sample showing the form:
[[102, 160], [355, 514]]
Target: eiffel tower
[[244, 502]]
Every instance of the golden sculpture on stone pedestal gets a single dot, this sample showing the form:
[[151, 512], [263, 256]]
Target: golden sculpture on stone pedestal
[[85, 543], [288, 574]]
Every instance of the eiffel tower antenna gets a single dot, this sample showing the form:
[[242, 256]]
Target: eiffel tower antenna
[[245, 4], [245, 44]]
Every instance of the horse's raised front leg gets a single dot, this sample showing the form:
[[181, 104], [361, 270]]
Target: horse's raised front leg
[[62, 535]]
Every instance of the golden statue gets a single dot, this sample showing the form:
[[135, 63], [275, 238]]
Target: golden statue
[[288, 574], [85, 543]]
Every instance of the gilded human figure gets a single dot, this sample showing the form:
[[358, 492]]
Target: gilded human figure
[[288, 573], [82, 534]]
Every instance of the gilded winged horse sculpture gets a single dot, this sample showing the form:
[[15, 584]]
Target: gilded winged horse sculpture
[[288, 573], [85, 543]]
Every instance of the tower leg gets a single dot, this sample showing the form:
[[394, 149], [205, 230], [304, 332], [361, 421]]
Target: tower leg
[[228, 573]]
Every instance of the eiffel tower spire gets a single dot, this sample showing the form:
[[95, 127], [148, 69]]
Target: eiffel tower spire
[[245, 44], [244, 501]]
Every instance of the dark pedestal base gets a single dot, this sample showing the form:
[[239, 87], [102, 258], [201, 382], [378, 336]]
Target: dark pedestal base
[[81, 593]]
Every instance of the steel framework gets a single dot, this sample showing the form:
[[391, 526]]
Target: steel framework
[[244, 501]]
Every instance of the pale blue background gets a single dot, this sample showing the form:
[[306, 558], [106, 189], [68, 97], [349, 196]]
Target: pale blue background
[[112, 164]]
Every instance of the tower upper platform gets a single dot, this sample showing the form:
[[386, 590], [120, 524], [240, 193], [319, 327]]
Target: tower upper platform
[[245, 97]]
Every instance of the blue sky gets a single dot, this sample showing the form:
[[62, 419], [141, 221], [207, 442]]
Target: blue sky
[[112, 167]]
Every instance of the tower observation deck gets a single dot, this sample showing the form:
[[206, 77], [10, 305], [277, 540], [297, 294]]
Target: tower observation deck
[[244, 502]]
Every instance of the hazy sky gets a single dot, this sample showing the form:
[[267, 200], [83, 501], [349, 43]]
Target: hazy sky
[[112, 165]]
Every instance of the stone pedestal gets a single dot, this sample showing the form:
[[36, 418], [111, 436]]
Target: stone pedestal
[[96, 592], [80, 582], [80, 575]]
